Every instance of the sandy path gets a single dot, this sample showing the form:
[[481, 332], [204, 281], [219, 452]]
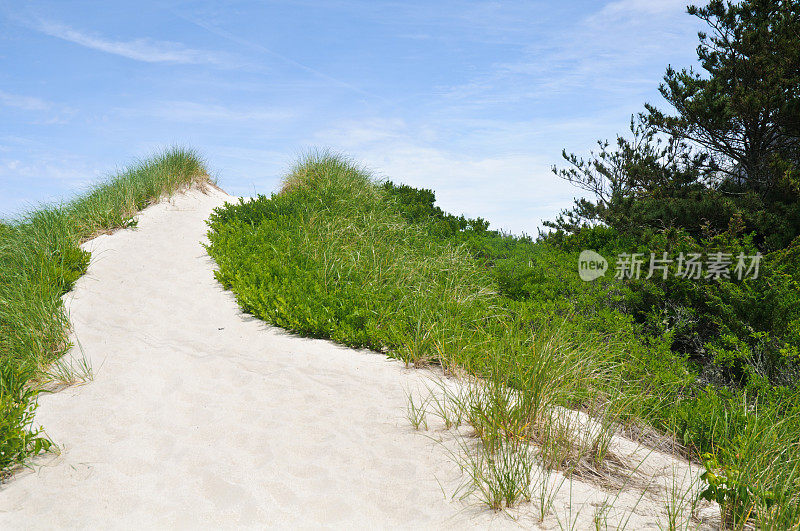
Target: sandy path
[[202, 417], [199, 416]]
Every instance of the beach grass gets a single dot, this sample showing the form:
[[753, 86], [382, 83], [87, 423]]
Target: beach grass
[[40, 259]]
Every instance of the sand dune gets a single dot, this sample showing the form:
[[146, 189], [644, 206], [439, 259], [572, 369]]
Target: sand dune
[[199, 416]]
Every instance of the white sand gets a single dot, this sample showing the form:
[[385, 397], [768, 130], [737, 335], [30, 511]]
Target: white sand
[[199, 416]]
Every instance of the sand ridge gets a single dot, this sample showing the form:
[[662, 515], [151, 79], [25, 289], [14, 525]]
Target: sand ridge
[[202, 417]]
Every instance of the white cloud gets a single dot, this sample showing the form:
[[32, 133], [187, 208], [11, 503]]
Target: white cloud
[[146, 50], [27, 103], [514, 191]]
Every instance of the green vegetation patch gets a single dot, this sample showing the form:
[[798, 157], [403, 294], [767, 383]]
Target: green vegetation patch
[[332, 257]]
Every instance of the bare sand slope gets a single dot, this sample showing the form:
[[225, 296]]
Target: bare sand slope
[[201, 417]]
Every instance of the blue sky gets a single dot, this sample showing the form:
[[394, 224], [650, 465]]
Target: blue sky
[[472, 99]]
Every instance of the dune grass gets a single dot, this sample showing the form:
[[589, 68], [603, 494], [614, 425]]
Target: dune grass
[[339, 255], [40, 259]]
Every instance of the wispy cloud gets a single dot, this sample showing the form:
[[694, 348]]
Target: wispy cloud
[[610, 51], [39, 176], [626, 8], [39, 111], [197, 112], [287, 60], [27, 103], [143, 49]]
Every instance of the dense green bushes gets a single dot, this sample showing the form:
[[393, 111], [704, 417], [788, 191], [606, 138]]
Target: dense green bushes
[[338, 256], [720, 175], [40, 259]]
